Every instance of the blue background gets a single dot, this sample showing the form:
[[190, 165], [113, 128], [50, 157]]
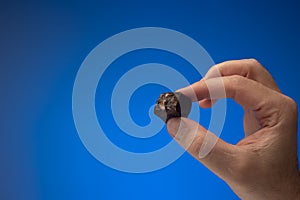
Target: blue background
[[42, 45]]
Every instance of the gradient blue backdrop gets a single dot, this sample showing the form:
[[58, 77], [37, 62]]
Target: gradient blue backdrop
[[42, 45]]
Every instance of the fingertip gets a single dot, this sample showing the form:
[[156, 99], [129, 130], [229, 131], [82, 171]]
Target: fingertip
[[180, 125], [186, 91], [190, 92], [173, 125]]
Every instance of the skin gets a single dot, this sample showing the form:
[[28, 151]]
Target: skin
[[264, 164]]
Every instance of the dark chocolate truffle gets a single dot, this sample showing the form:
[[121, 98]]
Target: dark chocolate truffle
[[172, 104]]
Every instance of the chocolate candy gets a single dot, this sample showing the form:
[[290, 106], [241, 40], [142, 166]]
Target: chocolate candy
[[172, 104]]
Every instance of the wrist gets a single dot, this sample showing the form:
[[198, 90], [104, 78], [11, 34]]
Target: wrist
[[286, 188]]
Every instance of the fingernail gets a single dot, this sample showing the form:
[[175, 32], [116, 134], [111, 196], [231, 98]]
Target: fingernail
[[173, 125], [177, 127]]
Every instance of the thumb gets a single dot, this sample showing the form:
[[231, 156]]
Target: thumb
[[221, 159]]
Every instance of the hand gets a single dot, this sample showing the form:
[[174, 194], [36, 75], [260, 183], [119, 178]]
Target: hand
[[264, 164]]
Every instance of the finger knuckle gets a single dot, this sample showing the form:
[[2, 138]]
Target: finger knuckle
[[253, 66], [253, 61], [291, 104]]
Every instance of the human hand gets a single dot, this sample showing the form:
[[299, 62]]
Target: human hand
[[264, 164]]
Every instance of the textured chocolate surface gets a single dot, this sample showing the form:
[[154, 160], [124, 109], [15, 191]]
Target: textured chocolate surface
[[172, 104]]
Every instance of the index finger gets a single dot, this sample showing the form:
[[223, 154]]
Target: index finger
[[248, 68], [246, 92]]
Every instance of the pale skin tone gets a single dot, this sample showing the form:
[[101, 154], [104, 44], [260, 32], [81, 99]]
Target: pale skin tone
[[264, 164]]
